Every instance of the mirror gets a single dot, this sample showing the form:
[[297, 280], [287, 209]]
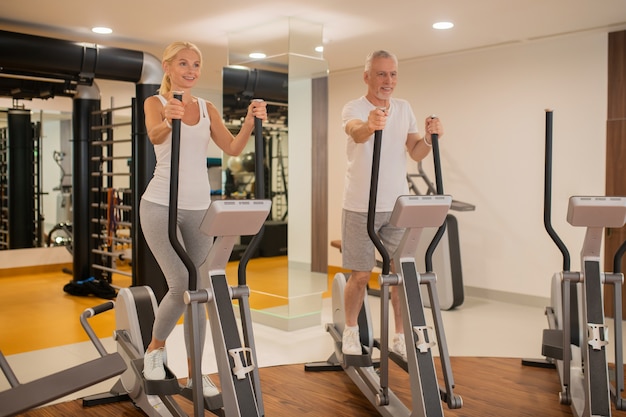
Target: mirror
[[240, 85], [51, 166], [284, 79], [52, 185]]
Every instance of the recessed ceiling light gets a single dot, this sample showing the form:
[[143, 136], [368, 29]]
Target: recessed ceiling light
[[443, 25], [319, 48], [257, 55], [102, 30]]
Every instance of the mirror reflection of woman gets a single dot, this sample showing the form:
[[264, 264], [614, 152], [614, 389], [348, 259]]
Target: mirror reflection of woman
[[201, 123]]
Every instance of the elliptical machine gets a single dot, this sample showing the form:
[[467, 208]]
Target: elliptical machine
[[577, 339], [413, 213], [240, 396]]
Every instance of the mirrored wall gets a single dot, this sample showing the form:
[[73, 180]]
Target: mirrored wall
[[43, 139], [40, 143], [283, 77]]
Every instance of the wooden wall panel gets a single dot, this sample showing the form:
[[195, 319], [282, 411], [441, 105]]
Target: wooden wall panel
[[615, 150], [319, 176], [617, 76]]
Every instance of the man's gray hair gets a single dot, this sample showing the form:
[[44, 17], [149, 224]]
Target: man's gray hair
[[378, 54]]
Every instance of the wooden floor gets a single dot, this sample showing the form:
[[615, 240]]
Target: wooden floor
[[490, 387]]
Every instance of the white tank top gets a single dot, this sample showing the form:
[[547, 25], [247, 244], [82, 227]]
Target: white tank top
[[194, 191]]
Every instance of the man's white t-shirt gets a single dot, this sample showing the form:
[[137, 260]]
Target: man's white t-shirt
[[392, 181]]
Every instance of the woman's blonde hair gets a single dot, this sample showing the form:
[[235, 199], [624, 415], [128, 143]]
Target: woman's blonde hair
[[168, 56]]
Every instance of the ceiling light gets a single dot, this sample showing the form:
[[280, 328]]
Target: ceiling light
[[443, 25], [319, 48], [102, 30], [257, 55]]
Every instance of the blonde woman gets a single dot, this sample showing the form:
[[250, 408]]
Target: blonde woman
[[201, 122]]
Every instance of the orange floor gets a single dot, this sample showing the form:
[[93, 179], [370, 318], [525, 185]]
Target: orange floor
[[35, 312]]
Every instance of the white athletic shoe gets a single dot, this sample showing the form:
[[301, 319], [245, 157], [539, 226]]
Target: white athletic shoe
[[153, 365], [351, 342], [398, 345], [208, 387]]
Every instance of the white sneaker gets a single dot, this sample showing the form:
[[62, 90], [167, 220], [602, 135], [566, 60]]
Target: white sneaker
[[153, 368], [208, 387], [398, 345], [351, 341]]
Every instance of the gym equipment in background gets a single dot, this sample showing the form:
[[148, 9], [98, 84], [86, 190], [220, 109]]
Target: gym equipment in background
[[577, 339], [414, 213], [446, 258]]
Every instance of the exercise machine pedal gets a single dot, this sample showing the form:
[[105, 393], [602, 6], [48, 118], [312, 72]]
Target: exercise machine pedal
[[213, 403], [399, 360], [167, 386], [363, 360], [552, 344]]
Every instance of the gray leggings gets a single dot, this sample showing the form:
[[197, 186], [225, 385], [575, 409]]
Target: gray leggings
[[154, 220]]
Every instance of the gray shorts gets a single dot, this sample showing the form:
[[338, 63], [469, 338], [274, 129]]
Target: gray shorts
[[357, 250]]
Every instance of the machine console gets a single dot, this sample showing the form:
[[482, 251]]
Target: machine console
[[589, 211], [412, 211], [235, 217]]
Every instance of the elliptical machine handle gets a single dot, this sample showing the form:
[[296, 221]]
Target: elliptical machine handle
[[259, 172], [259, 193], [89, 313], [428, 261], [173, 202], [371, 211], [547, 193], [434, 137]]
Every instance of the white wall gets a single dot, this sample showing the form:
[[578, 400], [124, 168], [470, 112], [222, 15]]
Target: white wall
[[492, 105]]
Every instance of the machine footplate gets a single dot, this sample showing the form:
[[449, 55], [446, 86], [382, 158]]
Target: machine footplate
[[167, 386], [552, 344], [357, 361], [210, 403]]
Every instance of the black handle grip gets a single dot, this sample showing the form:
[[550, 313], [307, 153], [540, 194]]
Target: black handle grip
[[547, 194], [371, 211], [259, 193], [100, 308], [259, 171], [173, 203], [434, 138], [428, 261]]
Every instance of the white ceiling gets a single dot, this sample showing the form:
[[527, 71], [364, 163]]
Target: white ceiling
[[351, 28]]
